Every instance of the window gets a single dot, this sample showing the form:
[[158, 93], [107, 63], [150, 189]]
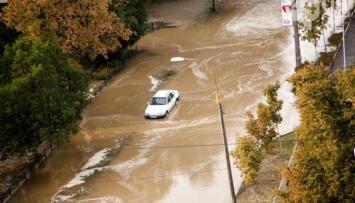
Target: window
[[158, 101]]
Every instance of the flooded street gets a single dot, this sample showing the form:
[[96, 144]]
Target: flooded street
[[179, 158]]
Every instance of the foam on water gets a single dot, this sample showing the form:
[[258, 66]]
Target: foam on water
[[255, 19], [246, 26], [155, 83], [96, 159], [106, 199]]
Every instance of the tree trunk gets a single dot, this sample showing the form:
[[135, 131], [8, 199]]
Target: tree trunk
[[255, 197], [315, 48], [324, 41], [278, 134]]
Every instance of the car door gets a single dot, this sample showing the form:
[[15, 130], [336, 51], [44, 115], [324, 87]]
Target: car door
[[171, 101]]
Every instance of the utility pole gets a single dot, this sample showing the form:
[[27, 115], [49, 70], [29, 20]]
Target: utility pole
[[213, 7], [225, 142], [296, 34], [342, 23], [218, 101]]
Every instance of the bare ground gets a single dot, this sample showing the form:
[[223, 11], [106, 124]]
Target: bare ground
[[269, 176]]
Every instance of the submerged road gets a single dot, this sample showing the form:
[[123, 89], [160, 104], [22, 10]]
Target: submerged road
[[119, 156]]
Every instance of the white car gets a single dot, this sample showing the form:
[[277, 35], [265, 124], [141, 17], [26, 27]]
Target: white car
[[161, 103]]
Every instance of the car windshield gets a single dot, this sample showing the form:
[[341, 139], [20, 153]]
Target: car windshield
[[158, 101]]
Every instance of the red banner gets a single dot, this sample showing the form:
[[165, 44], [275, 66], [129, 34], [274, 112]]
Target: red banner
[[286, 10]]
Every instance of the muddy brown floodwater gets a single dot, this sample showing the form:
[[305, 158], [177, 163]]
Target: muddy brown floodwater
[[179, 158]]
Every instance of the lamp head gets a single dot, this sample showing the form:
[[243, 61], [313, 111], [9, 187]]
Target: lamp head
[[177, 59]]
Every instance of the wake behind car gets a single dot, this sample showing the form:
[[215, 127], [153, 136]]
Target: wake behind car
[[161, 103]]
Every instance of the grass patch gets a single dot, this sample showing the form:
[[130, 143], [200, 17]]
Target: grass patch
[[287, 141], [335, 39], [282, 147], [326, 58]]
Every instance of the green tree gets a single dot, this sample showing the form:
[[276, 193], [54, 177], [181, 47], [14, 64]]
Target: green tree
[[42, 96], [7, 36], [324, 165], [135, 17], [314, 22]]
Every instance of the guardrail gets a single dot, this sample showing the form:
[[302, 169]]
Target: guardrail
[[39, 160]]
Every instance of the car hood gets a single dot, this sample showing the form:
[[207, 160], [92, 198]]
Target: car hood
[[155, 109]]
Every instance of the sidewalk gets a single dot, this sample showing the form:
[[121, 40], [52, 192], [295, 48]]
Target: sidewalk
[[338, 62]]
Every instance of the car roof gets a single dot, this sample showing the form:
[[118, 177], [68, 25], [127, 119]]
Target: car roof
[[161, 93]]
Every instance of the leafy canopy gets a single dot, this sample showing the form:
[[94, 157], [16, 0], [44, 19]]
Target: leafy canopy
[[264, 127], [83, 27], [250, 149], [42, 96], [314, 21], [248, 156], [324, 165]]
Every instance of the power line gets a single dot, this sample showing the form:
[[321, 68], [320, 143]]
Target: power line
[[142, 178], [168, 147]]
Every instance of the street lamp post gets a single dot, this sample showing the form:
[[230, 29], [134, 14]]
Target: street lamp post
[[296, 34], [218, 100]]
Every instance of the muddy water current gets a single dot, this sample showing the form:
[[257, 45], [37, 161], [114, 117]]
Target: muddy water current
[[119, 156]]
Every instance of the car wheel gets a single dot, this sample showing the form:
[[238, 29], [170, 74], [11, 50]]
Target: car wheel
[[177, 99], [166, 113]]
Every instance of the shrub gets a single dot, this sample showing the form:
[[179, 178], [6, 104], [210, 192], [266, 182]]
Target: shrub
[[103, 73], [167, 74], [335, 39]]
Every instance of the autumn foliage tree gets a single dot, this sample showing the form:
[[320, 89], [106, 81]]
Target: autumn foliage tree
[[323, 169], [248, 156], [252, 147], [263, 127], [83, 27]]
